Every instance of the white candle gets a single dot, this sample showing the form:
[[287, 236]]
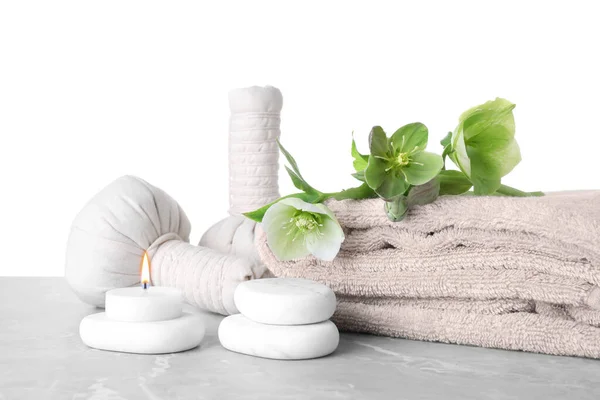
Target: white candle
[[135, 304], [143, 304]]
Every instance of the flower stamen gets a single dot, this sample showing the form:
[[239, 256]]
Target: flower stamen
[[402, 160]]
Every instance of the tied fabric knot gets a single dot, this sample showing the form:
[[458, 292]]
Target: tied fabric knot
[[159, 241]]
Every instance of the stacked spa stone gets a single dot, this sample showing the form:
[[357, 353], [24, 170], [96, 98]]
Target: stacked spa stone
[[281, 318]]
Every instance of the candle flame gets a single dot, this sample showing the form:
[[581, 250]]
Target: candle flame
[[145, 278]]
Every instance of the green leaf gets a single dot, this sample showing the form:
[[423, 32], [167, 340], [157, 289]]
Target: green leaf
[[423, 194], [510, 191], [361, 192], [359, 175], [289, 159], [446, 142], [360, 160], [423, 167], [378, 143], [375, 172], [453, 182], [300, 183], [411, 138], [297, 179], [391, 187]]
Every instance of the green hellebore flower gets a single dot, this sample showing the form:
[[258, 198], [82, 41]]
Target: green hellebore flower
[[296, 229], [400, 161], [484, 146]]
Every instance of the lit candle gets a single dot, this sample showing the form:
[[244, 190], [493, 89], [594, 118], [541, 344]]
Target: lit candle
[[146, 303], [146, 319]]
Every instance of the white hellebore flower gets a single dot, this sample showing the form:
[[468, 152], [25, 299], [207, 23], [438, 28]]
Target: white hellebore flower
[[296, 229]]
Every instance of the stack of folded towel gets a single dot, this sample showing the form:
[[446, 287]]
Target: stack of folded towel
[[503, 272]]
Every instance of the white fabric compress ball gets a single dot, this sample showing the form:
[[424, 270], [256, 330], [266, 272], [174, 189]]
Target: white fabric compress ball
[[129, 216]]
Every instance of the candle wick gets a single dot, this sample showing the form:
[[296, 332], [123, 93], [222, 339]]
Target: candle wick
[[145, 285]]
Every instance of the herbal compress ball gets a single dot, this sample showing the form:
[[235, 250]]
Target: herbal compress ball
[[129, 216], [254, 128]]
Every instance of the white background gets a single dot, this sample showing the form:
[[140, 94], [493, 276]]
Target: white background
[[90, 91]]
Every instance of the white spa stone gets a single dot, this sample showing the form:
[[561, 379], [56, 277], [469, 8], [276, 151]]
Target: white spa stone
[[283, 342], [157, 337], [134, 304], [285, 301]]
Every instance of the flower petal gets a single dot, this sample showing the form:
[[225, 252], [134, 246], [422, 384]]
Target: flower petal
[[423, 167], [391, 187], [327, 245], [492, 156], [459, 156], [300, 204], [411, 138], [325, 210], [280, 240], [375, 172], [378, 142]]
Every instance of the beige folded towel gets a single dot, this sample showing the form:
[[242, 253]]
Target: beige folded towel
[[512, 273]]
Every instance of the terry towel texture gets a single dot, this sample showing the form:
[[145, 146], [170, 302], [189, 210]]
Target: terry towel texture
[[511, 273]]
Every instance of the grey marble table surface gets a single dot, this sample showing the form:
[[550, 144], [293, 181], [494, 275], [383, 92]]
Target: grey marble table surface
[[42, 357]]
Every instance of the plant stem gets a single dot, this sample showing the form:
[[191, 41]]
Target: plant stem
[[510, 191]]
